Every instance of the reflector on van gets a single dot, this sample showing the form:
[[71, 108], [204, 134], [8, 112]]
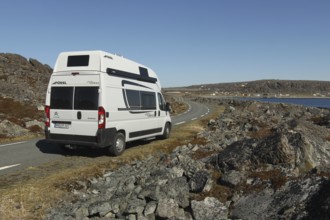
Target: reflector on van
[[47, 112], [101, 114]]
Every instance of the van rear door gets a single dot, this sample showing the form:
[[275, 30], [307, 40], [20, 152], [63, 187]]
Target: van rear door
[[74, 106]]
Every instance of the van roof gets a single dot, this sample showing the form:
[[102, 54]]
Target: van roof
[[97, 60]]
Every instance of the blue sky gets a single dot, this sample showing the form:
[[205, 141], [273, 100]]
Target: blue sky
[[186, 42]]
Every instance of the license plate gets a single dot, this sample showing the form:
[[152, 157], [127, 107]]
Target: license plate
[[61, 125]]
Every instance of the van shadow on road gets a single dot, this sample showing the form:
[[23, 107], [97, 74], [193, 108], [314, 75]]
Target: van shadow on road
[[52, 148]]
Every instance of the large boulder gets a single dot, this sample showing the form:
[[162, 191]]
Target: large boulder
[[209, 208], [10, 129]]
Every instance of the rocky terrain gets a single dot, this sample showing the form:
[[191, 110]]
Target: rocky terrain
[[259, 161], [22, 79], [23, 85], [255, 161]]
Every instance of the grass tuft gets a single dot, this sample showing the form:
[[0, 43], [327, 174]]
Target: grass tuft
[[275, 177]]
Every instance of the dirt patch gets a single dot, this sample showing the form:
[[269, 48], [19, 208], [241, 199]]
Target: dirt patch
[[223, 193], [12, 109]]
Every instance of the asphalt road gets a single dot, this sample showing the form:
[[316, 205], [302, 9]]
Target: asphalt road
[[31, 153]]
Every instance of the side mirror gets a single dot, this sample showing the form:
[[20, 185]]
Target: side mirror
[[168, 107]]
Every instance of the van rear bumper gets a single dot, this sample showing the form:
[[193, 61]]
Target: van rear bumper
[[102, 139]]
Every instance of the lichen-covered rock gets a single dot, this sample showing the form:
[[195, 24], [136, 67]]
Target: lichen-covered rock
[[169, 208], [198, 181], [295, 200], [10, 129], [232, 178], [209, 208]]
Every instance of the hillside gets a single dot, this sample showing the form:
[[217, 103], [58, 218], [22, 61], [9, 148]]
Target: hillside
[[269, 88], [23, 80], [23, 84]]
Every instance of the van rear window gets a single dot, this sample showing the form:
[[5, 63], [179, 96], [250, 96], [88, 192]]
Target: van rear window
[[86, 98], [78, 98], [61, 98], [79, 60]]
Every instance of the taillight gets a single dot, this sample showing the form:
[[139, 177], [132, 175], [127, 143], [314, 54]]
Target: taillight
[[47, 111], [101, 117]]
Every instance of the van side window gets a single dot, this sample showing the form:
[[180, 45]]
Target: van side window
[[86, 98], [162, 104], [61, 98], [133, 98], [141, 99], [148, 100]]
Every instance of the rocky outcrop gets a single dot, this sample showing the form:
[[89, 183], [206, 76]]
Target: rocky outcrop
[[23, 80], [23, 85], [295, 200], [277, 155], [251, 134], [261, 161], [9, 129], [158, 187]]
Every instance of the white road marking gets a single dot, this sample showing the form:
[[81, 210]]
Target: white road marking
[[10, 166], [193, 119], [189, 109], [180, 123], [4, 145]]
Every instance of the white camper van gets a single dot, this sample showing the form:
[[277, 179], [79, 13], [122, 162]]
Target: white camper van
[[99, 99]]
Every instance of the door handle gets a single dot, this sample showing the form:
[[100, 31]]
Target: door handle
[[79, 115]]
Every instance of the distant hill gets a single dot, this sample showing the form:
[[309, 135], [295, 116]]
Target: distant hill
[[23, 80], [266, 88]]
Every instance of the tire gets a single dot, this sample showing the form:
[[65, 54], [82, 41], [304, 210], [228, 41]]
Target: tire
[[167, 131], [118, 145]]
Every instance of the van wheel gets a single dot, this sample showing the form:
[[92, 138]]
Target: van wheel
[[167, 131], [118, 144]]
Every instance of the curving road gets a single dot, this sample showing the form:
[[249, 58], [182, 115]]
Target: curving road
[[25, 154], [196, 110]]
